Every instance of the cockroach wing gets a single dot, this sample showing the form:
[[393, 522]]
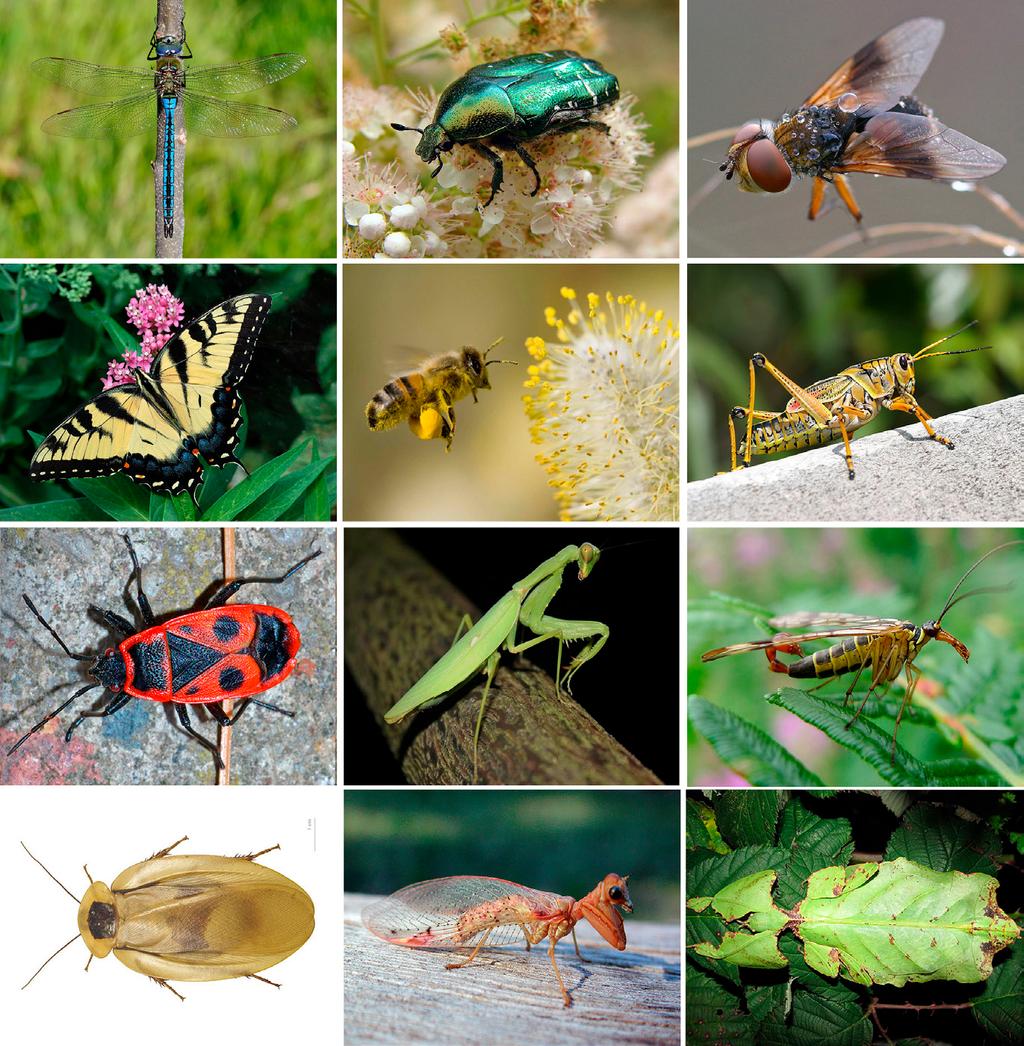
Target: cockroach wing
[[903, 146], [885, 69], [455, 911], [205, 918]]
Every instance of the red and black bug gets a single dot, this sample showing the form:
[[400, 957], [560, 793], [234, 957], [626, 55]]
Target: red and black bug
[[200, 658]]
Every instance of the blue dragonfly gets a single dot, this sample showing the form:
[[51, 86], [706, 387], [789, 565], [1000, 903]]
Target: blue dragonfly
[[166, 83]]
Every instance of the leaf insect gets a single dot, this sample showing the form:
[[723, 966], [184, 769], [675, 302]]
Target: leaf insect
[[480, 648], [425, 396], [192, 917], [862, 118], [884, 645]]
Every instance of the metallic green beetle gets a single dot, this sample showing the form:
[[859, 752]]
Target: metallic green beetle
[[506, 103]]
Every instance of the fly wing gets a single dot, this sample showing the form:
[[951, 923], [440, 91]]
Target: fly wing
[[428, 914], [885, 69], [828, 626], [905, 146]]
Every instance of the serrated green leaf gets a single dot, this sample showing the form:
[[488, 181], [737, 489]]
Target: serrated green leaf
[[1000, 1007], [869, 741], [747, 816], [747, 750], [817, 1018], [714, 1014], [944, 841]]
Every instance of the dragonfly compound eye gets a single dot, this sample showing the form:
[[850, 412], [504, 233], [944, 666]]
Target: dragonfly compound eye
[[767, 166]]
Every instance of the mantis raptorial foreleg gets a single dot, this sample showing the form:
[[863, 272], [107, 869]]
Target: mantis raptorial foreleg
[[480, 648]]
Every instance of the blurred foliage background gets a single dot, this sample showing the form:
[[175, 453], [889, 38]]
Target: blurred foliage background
[[902, 573], [562, 841], [638, 39], [396, 317], [812, 321], [54, 353], [248, 197]]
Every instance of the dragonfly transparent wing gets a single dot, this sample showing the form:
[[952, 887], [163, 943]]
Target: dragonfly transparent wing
[[243, 76], [93, 79], [427, 914], [222, 119], [120, 119]]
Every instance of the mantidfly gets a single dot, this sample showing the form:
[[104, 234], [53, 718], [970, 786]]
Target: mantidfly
[[835, 407], [476, 910], [886, 645], [480, 648]]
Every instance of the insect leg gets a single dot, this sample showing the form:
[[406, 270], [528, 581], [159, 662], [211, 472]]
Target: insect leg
[[55, 712], [579, 954], [913, 675], [492, 667], [817, 198], [115, 704], [207, 744], [257, 977], [259, 853], [909, 405], [164, 984], [744, 412], [846, 195], [147, 610], [466, 962], [529, 161], [499, 170], [119, 624], [167, 849], [554, 966], [221, 597]]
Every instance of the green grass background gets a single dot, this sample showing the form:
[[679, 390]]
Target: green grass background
[[255, 197]]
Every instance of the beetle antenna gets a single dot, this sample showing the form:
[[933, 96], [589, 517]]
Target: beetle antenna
[[55, 954], [54, 878], [402, 127], [991, 552], [49, 628]]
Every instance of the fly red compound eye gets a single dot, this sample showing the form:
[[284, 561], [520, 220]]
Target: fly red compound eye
[[767, 166], [203, 657]]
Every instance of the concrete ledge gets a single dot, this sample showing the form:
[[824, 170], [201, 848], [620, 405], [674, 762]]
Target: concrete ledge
[[902, 475]]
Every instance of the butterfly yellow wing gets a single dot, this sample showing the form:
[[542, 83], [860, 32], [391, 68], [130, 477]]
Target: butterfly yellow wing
[[156, 429]]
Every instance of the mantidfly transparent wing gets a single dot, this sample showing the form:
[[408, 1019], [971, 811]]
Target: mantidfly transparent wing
[[464, 910]]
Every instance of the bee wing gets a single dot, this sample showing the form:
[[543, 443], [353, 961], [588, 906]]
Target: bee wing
[[831, 626], [885, 69], [905, 146]]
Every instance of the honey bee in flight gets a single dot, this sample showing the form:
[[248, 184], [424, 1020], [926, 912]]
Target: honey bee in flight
[[862, 118], [425, 396]]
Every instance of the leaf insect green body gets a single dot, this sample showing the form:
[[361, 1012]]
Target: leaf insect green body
[[480, 648]]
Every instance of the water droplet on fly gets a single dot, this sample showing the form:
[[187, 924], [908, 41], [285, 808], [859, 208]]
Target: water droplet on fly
[[962, 186], [1011, 252], [848, 102], [813, 155]]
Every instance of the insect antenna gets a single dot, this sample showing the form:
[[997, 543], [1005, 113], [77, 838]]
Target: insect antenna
[[54, 878], [491, 347], [951, 602], [56, 712], [49, 628], [55, 954], [924, 354], [402, 127]]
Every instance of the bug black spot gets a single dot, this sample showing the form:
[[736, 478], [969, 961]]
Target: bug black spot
[[186, 628], [230, 679], [225, 628], [192, 690]]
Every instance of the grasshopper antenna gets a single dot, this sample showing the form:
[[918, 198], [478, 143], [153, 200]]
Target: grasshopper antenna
[[924, 354]]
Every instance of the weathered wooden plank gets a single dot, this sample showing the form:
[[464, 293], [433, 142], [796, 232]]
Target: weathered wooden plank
[[509, 995]]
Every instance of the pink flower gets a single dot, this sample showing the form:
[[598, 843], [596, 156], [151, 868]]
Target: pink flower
[[154, 312]]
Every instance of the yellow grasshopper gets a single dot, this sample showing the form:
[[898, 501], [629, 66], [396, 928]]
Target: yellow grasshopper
[[836, 406]]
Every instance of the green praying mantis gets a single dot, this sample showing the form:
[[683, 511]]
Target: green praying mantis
[[480, 648]]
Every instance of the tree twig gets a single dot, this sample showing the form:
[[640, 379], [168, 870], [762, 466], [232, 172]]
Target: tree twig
[[170, 21]]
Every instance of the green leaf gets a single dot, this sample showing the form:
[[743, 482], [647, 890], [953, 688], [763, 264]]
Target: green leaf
[[286, 492], [116, 497], [943, 841], [748, 750], [238, 498], [714, 1014], [1000, 1007], [702, 829], [747, 816], [316, 504], [817, 1017], [66, 510], [870, 742]]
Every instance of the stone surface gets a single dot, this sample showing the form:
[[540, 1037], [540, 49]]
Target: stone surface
[[901, 475]]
